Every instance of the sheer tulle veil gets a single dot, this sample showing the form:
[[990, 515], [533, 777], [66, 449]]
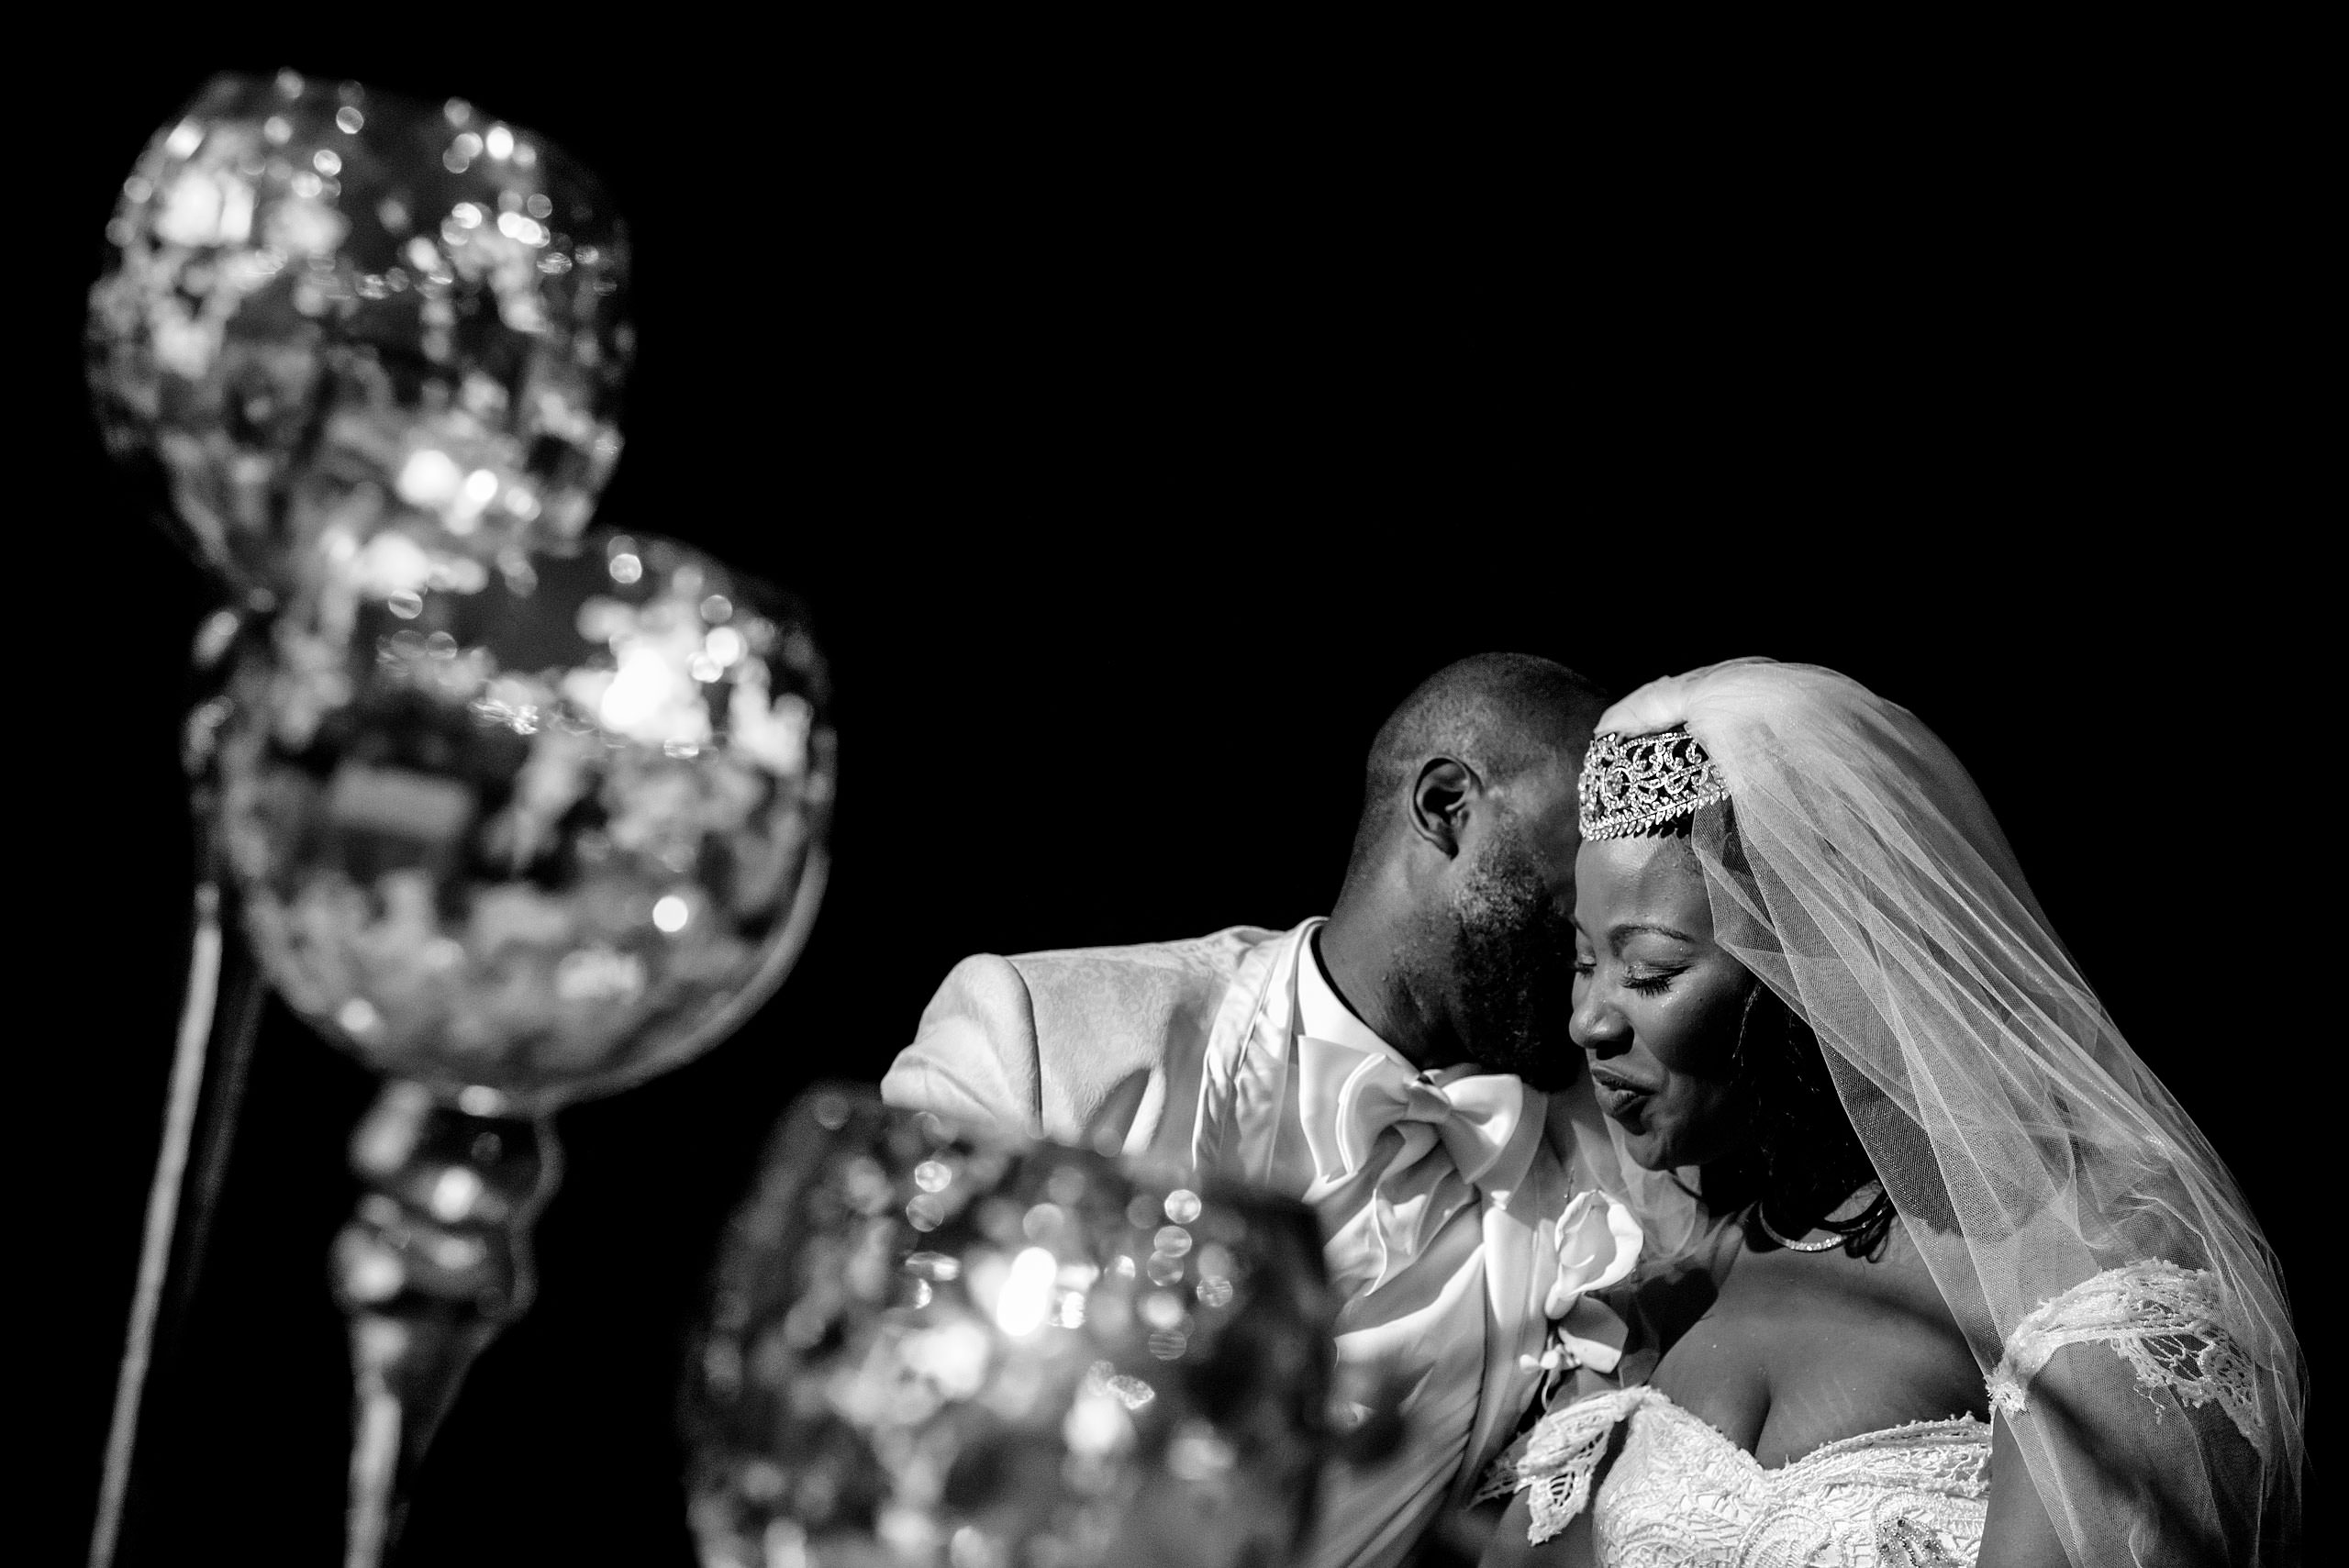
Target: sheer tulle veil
[[1859, 874]]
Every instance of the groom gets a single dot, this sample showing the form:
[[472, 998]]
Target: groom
[[1402, 1067]]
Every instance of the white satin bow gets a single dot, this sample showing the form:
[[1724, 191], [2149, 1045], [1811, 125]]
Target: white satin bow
[[1347, 1097]]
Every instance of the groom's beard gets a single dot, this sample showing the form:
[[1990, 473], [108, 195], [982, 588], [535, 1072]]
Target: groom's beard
[[1513, 956]]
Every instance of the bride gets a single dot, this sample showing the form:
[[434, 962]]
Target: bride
[[1976, 1288]]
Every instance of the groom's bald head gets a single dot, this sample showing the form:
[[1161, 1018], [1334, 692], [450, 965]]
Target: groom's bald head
[[1453, 934], [1499, 714]]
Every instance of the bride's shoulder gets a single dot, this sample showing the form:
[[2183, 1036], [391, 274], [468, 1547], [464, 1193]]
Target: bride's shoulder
[[2167, 1324]]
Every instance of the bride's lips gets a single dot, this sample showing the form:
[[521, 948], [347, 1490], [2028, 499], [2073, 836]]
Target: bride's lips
[[1618, 1096]]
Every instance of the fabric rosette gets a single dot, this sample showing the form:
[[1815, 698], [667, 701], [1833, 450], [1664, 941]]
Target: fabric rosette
[[1599, 1246]]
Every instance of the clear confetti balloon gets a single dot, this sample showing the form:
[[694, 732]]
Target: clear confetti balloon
[[528, 831], [330, 310], [929, 1350]]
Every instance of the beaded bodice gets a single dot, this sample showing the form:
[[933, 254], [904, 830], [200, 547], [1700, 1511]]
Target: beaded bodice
[[1911, 1496], [1680, 1492]]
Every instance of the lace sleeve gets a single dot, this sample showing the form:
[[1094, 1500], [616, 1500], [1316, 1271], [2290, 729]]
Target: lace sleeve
[[2167, 1322], [1556, 1459]]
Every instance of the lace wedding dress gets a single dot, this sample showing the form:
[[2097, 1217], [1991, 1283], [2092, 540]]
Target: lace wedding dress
[[1680, 1494]]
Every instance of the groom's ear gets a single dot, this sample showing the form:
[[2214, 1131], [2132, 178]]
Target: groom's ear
[[1440, 798]]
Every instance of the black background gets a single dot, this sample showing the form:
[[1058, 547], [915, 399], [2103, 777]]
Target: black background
[[1136, 452]]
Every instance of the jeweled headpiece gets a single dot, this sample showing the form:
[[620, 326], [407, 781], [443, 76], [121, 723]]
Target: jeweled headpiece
[[1633, 782]]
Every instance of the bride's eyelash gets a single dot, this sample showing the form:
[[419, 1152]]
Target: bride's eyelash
[[1647, 983]]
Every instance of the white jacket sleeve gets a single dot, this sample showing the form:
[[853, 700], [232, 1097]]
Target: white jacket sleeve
[[974, 1055]]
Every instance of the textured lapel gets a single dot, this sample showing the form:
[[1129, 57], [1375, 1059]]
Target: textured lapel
[[1243, 1090]]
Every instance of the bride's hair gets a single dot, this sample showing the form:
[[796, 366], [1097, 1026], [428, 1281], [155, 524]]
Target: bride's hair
[[1805, 1159]]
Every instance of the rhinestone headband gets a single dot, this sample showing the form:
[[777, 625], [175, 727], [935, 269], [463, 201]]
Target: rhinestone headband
[[1633, 782]]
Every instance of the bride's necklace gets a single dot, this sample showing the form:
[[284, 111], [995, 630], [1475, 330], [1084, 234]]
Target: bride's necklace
[[1762, 1214]]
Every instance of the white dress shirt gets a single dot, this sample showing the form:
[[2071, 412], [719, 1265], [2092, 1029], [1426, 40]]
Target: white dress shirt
[[1405, 1245]]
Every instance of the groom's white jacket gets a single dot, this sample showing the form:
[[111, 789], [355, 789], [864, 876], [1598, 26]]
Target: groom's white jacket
[[1191, 1050]]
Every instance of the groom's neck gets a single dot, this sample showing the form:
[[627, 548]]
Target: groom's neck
[[1366, 953]]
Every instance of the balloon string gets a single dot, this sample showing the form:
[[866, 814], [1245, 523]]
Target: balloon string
[[162, 1212]]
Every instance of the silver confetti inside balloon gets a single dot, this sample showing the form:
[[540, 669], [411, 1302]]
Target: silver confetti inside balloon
[[929, 1350], [330, 310], [527, 831]]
